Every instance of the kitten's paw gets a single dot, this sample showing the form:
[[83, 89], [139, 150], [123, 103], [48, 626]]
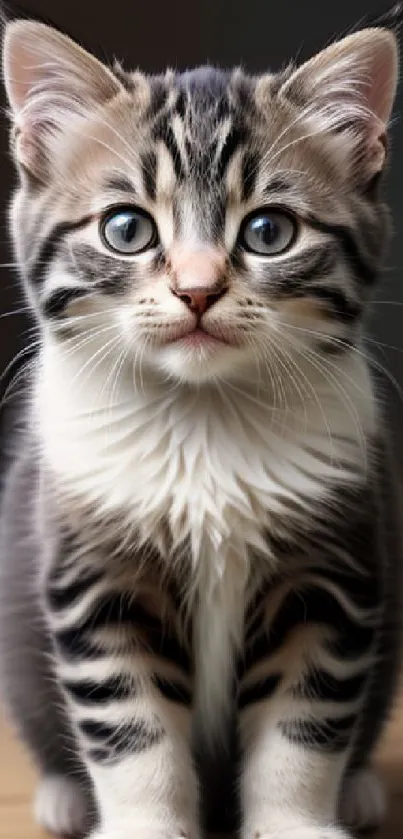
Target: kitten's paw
[[61, 806], [134, 834], [363, 802], [292, 830]]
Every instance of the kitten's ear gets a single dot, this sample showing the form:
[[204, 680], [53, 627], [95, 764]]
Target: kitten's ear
[[50, 81], [351, 85]]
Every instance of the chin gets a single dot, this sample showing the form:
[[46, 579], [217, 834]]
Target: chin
[[198, 365]]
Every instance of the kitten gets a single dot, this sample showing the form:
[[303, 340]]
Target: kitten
[[199, 549]]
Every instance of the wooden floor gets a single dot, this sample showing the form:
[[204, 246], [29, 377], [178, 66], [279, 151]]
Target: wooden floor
[[17, 780]]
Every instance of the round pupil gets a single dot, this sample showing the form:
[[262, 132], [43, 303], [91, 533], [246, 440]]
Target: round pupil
[[264, 229]]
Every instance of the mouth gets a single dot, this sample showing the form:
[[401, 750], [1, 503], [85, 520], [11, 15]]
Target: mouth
[[195, 353], [199, 338]]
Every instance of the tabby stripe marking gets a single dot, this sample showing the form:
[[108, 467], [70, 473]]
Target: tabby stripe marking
[[332, 734], [173, 691], [362, 589], [158, 101], [149, 174], [310, 605], [92, 693], [166, 135], [58, 301], [277, 184], [180, 104], [339, 306], [99, 756], [345, 236], [50, 245], [73, 645], [118, 610], [120, 183], [234, 139], [322, 685], [120, 740], [61, 598], [314, 264], [250, 168], [258, 692]]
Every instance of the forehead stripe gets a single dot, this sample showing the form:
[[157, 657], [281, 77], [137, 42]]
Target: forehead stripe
[[120, 183], [250, 168], [234, 139], [149, 174], [166, 135]]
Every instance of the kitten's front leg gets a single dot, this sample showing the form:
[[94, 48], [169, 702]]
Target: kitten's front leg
[[289, 789], [304, 678], [126, 672], [148, 795]]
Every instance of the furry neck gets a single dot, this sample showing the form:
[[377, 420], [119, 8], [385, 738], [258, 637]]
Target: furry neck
[[216, 463]]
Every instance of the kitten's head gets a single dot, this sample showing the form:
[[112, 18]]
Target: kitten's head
[[205, 222]]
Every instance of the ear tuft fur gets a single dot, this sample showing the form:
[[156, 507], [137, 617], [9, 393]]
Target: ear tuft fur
[[50, 83]]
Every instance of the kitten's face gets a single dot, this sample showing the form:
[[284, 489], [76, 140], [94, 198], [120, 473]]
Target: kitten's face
[[203, 224]]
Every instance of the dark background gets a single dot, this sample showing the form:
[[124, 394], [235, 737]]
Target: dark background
[[260, 34]]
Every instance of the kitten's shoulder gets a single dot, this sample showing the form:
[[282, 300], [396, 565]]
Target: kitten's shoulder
[[20, 484]]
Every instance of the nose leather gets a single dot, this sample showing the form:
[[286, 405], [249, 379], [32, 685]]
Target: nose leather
[[199, 301], [198, 276]]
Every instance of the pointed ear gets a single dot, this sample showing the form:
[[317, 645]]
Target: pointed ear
[[50, 81], [351, 86]]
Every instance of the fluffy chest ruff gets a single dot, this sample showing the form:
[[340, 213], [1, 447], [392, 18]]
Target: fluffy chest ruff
[[217, 466]]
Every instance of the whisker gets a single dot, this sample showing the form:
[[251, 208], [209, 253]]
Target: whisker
[[318, 401], [24, 351], [13, 312], [319, 364], [18, 377], [366, 356], [387, 302], [98, 354]]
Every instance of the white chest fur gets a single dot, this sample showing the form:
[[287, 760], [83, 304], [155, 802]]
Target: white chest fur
[[216, 463], [219, 464]]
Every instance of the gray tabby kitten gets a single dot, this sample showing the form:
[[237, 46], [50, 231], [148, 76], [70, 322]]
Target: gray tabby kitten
[[198, 545]]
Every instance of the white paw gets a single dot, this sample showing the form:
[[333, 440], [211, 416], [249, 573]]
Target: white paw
[[150, 833], [130, 830], [363, 802], [285, 829], [61, 806]]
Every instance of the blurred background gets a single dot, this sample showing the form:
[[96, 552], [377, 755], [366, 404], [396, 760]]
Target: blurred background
[[261, 35]]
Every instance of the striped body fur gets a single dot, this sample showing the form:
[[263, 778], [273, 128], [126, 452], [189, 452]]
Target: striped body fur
[[199, 556]]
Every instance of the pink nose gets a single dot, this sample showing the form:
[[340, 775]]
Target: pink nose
[[198, 276], [198, 301]]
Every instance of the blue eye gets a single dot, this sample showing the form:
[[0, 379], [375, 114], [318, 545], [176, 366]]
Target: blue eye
[[268, 234], [128, 231]]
